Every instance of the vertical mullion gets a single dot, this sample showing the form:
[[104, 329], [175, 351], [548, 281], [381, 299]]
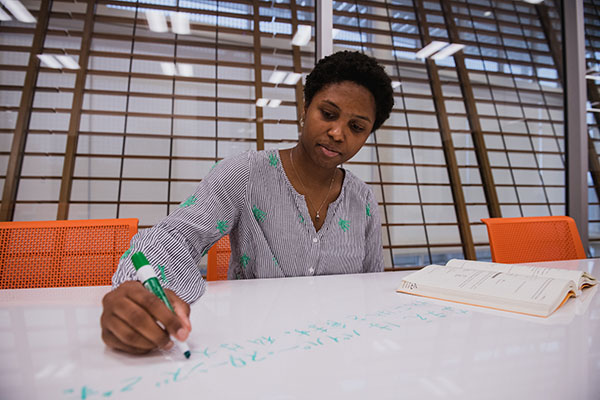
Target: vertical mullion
[[173, 86], [130, 69], [297, 62], [494, 104], [217, 82], [460, 207], [410, 145], [385, 214], [15, 162], [260, 129], [473, 117], [75, 120]]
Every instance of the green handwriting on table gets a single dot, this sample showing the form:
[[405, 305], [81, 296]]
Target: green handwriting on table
[[253, 350]]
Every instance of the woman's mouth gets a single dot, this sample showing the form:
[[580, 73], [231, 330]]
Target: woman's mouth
[[329, 153]]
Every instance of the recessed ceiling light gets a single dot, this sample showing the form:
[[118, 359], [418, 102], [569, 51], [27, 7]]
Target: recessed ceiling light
[[448, 51], [168, 68], [261, 102], [50, 61], [302, 36], [430, 49], [68, 62], [185, 69], [4, 15], [180, 23], [157, 22], [292, 78], [19, 11], [274, 103], [277, 77]]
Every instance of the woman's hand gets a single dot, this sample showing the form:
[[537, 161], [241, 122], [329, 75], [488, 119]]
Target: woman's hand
[[131, 316]]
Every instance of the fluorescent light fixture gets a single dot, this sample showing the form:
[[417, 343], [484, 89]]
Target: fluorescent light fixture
[[19, 11], [302, 36], [180, 23], [261, 102], [487, 13], [292, 78], [430, 49], [274, 103], [534, 1], [50, 61], [396, 84], [185, 69], [68, 62], [4, 15], [277, 77], [168, 68], [157, 22], [593, 77], [448, 51], [597, 110]]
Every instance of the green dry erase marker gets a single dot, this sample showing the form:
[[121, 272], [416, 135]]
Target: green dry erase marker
[[146, 275]]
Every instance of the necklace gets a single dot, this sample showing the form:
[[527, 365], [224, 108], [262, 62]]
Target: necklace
[[304, 188]]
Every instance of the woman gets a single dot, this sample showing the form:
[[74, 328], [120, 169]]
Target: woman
[[288, 212]]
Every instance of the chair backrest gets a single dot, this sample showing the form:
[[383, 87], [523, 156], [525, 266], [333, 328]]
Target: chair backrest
[[530, 239], [218, 260], [37, 254]]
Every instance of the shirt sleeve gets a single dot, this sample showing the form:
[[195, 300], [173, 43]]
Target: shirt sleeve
[[176, 244], [373, 261]]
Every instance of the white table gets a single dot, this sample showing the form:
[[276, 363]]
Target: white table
[[331, 337]]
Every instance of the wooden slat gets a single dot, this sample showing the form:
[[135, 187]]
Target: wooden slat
[[297, 61], [260, 129], [76, 110], [481, 152], [15, 162], [453, 174]]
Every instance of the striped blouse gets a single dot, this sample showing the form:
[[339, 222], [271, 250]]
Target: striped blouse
[[250, 198]]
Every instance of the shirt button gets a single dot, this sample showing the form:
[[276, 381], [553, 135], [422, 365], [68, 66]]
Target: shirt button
[[315, 240], [311, 270]]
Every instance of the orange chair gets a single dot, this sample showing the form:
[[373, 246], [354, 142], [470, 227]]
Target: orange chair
[[218, 260], [530, 239], [41, 254]]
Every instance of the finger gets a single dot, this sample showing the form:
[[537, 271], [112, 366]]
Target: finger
[[134, 326], [182, 310], [125, 334], [157, 310], [113, 342]]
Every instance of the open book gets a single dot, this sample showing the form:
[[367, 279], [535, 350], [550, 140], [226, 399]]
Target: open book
[[518, 288]]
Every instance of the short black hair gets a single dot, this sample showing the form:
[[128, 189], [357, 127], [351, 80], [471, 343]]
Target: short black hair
[[355, 67]]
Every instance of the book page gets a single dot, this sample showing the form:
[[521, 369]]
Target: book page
[[528, 294], [579, 278]]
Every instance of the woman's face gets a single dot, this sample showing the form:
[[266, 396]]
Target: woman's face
[[337, 123]]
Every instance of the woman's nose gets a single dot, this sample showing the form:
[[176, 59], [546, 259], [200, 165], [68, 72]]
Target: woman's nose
[[336, 132]]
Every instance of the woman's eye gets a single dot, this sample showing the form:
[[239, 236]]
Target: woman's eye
[[327, 114], [357, 128]]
